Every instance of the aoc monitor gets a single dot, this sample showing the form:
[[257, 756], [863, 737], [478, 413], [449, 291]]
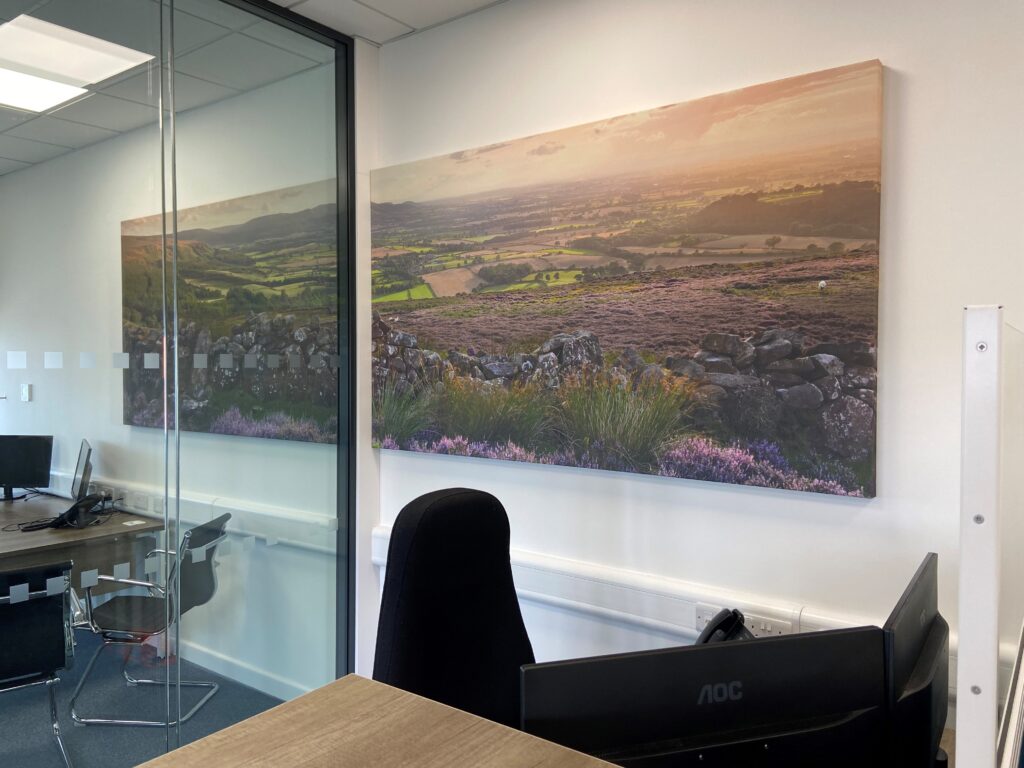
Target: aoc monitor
[[842, 698]]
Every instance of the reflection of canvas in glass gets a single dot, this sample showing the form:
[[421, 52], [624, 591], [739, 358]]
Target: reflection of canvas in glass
[[689, 291], [257, 299]]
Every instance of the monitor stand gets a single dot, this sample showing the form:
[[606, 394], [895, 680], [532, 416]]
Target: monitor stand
[[9, 494]]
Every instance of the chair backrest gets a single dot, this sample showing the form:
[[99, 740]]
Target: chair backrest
[[35, 633], [198, 578], [450, 626]]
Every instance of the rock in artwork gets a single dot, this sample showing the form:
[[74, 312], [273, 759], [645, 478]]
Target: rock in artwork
[[258, 316], [689, 291]]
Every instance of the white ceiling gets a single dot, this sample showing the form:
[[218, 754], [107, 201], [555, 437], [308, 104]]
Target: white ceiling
[[221, 51], [381, 21]]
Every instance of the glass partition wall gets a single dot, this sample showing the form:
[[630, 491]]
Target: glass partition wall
[[175, 277]]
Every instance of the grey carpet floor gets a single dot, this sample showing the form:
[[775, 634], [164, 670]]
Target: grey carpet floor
[[25, 735]]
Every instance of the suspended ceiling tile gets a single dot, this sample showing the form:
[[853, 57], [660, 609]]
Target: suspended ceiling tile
[[9, 166], [62, 132], [142, 88], [219, 13], [28, 151], [241, 62], [352, 18], [189, 92], [291, 41], [132, 23], [108, 112], [12, 117], [419, 14]]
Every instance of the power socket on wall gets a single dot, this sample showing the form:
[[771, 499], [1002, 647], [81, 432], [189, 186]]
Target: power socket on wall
[[705, 613], [759, 626], [762, 626], [136, 502]]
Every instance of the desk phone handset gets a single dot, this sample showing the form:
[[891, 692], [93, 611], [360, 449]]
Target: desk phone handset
[[78, 515], [727, 625]]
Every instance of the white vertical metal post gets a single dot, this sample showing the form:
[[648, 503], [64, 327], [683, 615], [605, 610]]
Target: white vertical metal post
[[977, 681]]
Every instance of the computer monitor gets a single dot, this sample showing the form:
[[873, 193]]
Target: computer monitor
[[24, 462], [917, 667], [83, 472], [841, 698]]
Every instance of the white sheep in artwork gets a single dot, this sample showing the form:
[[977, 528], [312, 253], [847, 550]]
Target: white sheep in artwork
[[822, 285]]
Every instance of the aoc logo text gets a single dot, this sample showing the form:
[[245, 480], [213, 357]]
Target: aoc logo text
[[716, 693]]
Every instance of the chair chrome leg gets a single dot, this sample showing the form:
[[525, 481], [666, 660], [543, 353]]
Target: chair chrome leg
[[78, 688], [213, 688], [51, 686], [124, 670]]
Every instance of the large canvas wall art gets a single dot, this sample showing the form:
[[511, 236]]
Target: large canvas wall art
[[258, 309], [689, 291]]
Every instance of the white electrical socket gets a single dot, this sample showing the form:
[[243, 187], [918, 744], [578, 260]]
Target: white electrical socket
[[137, 501], [762, 626], [705, 613]]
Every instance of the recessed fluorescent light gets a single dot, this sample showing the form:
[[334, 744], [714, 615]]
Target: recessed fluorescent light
[[33, 94], [40, 48]]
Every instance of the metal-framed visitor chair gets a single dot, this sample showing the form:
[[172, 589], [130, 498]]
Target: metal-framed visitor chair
[[130, 620], [35, 627]]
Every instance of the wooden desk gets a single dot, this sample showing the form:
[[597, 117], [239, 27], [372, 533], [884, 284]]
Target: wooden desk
[[359, 722], [119, 540]]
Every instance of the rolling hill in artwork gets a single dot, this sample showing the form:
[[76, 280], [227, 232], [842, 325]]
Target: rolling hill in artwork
[[254, 292]]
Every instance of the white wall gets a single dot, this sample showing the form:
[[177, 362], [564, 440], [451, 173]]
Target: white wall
[[951, 201], [272, 623]]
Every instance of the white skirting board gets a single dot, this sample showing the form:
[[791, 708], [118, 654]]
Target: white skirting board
[[242, 672]]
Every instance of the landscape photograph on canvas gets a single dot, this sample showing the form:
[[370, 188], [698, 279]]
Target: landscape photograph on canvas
[[257, 296], [689, 291]]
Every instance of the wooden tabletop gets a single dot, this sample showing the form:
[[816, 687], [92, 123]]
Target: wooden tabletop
[[358, 722], [15, 542]]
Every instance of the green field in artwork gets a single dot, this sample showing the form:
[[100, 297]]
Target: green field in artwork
[[257, 277]]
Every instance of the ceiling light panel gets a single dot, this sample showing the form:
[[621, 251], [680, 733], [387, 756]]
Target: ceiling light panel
[[41, 48], [33, 94]]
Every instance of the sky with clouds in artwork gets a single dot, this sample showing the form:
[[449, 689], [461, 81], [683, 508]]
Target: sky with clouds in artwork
[[823, 110]]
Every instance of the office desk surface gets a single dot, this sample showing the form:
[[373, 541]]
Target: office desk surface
[[358, 722], [19, 544]]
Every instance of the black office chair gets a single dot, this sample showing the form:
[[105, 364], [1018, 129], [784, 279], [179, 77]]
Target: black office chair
[[450, 626], [130, 620], [35, 624]]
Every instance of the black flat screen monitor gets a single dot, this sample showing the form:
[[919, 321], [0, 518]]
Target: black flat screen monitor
[[843, 698], [83, 472], [24, 462], [917, 667], [718, 704]]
